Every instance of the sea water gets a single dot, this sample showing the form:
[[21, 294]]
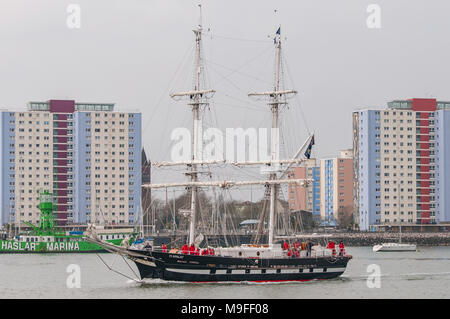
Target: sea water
[[421, 274]]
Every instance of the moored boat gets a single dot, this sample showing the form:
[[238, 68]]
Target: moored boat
[[394, 247], [45, 238]]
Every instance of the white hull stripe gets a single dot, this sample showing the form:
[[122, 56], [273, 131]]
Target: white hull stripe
[[252, 271], [189, 271]]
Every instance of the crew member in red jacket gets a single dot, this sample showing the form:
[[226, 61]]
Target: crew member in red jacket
[[341, 249], [192, 249], [331, 245], [164, 248], [184, 249]]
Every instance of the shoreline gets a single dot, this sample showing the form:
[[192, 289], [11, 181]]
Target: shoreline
[[354, 239], [370, 239]]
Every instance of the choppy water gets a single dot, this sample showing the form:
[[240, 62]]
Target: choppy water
[[421, 274]]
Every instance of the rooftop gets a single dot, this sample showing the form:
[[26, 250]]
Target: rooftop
[[45, 106], [418, 104]]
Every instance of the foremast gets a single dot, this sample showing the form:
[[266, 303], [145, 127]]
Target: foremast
[[197, 97]]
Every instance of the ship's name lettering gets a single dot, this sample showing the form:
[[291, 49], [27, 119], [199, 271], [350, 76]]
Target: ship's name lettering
[[63, 246], [17, 246]]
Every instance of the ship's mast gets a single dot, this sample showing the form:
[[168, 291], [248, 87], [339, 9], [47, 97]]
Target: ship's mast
[[196, 119], [274, 137], [196, 97], [276, 99]]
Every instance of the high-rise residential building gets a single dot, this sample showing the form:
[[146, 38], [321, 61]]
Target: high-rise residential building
[[336, 188], [87, 154], [306, 198], [402, 164]]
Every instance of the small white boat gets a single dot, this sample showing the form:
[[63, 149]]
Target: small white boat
[[394, 247]]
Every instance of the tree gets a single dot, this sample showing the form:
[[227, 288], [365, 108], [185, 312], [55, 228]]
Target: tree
[[345, 217]]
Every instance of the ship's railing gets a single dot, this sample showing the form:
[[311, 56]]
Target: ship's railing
[[313, 254], [321, 253]]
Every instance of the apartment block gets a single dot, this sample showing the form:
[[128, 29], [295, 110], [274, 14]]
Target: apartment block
[[336, 188], [306, 197], [87, 154], [402, 163]]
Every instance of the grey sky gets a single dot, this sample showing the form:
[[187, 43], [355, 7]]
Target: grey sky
[[128, 51]]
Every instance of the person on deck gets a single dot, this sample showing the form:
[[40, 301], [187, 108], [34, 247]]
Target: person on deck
[[308, 248], [332, 245], [147, 246], [191, 249], [164, 248], [185, 249], [341, 249], [285, 245]]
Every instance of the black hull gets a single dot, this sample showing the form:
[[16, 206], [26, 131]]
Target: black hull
[[192, 268]]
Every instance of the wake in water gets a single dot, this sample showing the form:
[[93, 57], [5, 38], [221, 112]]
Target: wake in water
[[410, 258], [409, 276], [159, 282]]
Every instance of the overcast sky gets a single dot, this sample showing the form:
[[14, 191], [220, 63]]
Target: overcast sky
[[135, 52]]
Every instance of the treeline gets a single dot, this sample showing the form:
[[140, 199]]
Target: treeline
[[216, 214]]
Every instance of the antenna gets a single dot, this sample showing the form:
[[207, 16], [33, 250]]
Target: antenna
[[200, 18]]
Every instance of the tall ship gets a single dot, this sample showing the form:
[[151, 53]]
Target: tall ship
[[45, 238], [268, 262]]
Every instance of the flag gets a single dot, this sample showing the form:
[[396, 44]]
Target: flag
[[275, 38], [308, 150]]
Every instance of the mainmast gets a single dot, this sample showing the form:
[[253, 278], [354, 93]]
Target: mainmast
[[277, 98]]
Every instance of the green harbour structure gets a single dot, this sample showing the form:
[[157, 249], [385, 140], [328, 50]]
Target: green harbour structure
[[46, 238]]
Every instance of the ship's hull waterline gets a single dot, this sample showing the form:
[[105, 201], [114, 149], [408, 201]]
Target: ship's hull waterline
[[192, 268]]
